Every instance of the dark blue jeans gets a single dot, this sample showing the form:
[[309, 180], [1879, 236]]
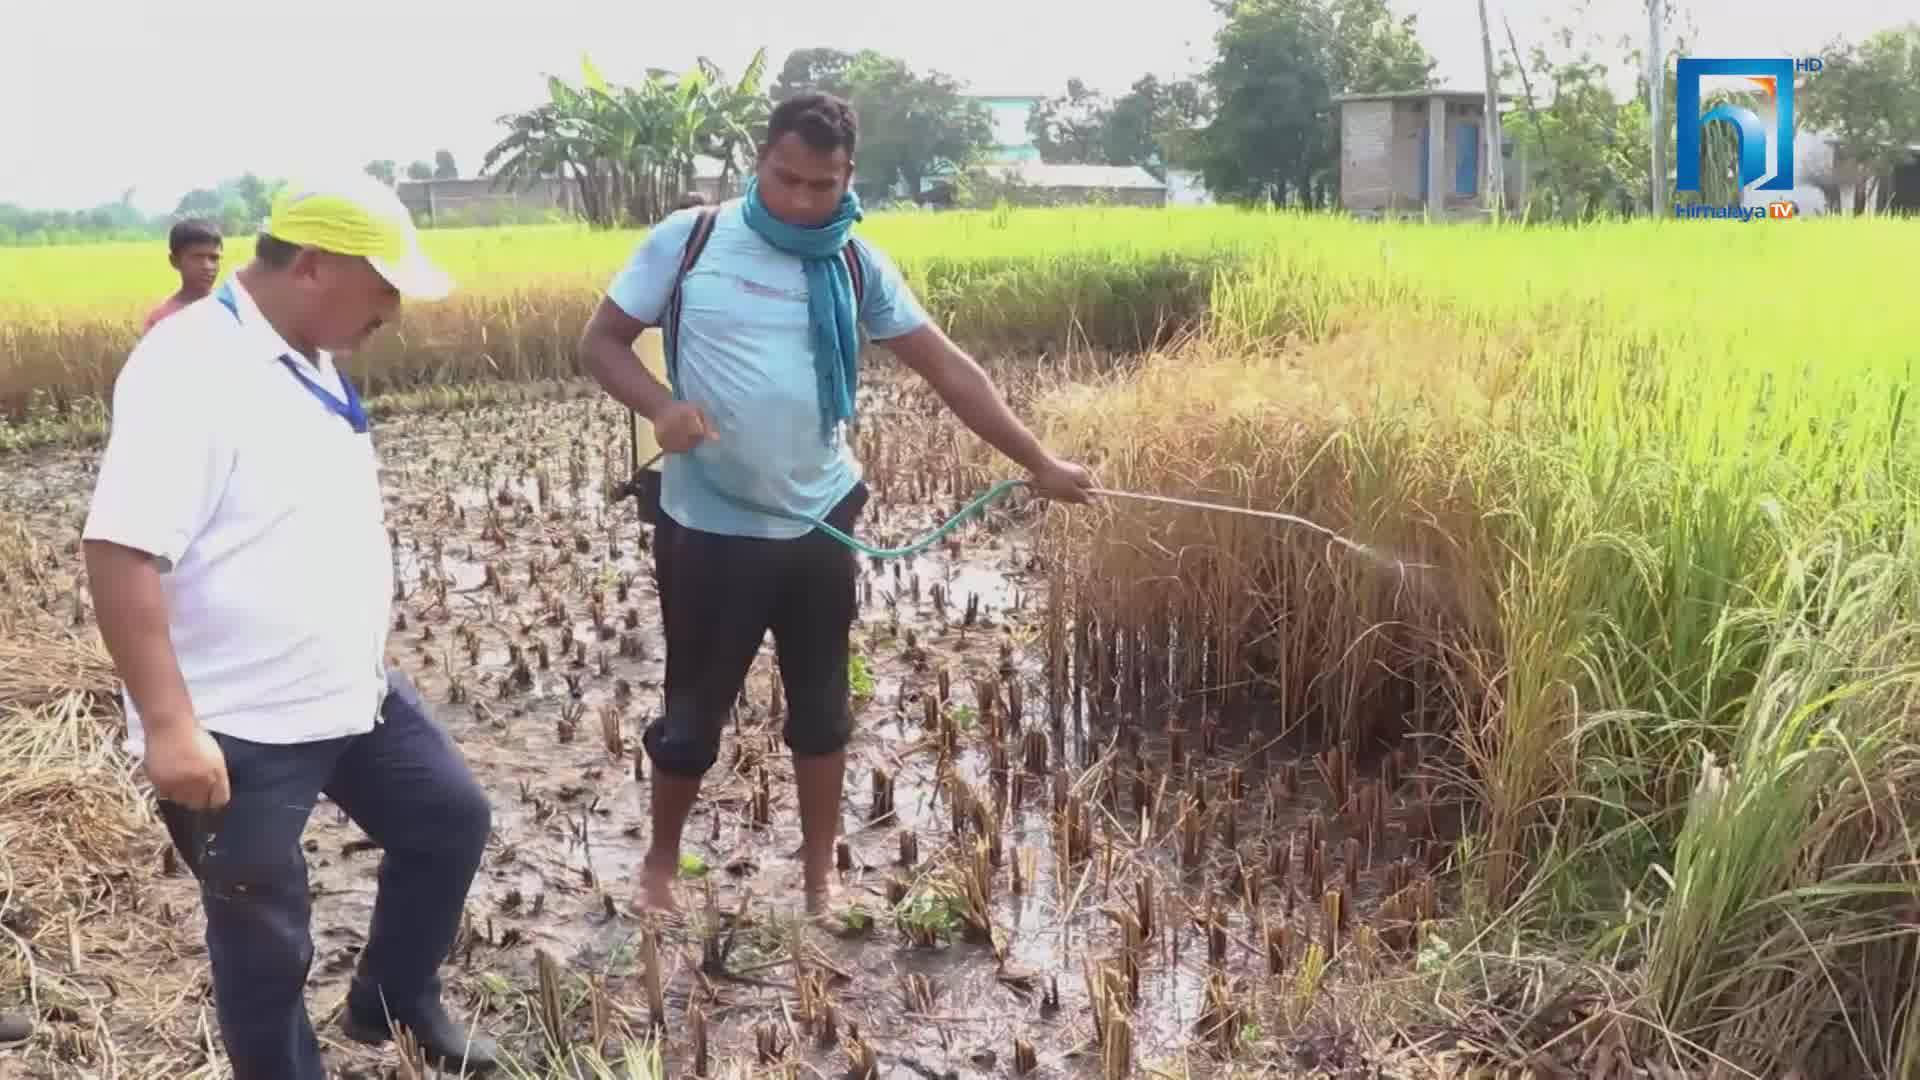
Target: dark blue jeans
[[408, 788]]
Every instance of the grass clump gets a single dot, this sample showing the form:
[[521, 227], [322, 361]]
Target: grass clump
[[1662, 629]]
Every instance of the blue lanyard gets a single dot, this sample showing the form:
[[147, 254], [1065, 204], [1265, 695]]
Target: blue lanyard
[[349, 410]]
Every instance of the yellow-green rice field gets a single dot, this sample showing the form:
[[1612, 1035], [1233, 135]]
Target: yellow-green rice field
[[1652, 490]]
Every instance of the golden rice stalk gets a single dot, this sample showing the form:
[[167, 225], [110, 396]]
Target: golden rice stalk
[[40, 663]]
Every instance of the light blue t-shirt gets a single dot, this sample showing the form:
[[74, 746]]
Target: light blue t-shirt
[[746, 358]]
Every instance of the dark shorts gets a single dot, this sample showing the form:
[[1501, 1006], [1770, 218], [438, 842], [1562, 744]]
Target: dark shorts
[[719, 595]]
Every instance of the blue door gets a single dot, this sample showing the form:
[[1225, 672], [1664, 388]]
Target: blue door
[[1466, 175]]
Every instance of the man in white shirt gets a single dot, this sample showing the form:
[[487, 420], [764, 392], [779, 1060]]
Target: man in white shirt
[[239, 561]]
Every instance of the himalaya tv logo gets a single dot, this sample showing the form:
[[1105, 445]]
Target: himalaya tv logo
[[1773, 77]]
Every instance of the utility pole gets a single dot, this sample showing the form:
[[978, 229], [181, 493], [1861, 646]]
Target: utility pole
[[1656, 121], [1496, 168]]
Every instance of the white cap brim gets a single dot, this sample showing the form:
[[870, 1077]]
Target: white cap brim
[[415, 276]]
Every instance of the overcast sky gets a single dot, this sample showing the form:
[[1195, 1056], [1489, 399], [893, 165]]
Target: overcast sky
[[102, 95]]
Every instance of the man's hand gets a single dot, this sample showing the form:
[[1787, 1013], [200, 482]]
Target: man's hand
[[1063, 481], [680, 427], [970, 394], [186, 766]]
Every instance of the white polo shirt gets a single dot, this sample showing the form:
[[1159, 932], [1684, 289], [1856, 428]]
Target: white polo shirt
[[263, 507]]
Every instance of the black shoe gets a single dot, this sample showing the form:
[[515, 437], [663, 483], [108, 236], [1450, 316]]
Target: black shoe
[[446, 1045], [15, 1027]]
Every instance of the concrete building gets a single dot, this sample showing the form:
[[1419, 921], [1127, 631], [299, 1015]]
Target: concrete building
[[1013, 169], [1826, 182], [1419, 152], [484, 200], [1009, 113], [492, 201], [1034, 183]]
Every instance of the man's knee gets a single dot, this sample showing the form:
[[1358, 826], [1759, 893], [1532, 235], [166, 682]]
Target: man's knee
[[453, 818], [462, 815], [469, 814], [682, 742], [819, 721], [814, 676]]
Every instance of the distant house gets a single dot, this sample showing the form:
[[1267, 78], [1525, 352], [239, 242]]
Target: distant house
[[1827, 182], [706, 179], [490, 200], [1186, 187], [484, 200], [1415, 151], [1013, 168], [1034, 183], [1009, 113]]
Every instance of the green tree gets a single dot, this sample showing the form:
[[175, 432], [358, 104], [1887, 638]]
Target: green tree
[[1867, 98], [1072, 129], [1586, 151], [238, 205], [257, 194], [419, 170], [1152, 125], [818, 69], [1589, 152], [383, 170], [912, 126], [1274, 135], [444, 167]]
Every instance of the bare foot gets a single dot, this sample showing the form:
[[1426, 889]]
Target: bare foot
[[817, 884], [655, 894]]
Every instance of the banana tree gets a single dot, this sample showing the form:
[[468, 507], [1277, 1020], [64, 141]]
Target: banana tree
[[737, 115], [630, 149], [559, 139]]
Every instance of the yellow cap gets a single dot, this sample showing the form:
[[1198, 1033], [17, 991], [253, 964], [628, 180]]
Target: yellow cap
[[359, 215]]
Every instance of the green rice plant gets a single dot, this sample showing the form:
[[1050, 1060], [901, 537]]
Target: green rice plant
[[1787, 930], [1627, 471]]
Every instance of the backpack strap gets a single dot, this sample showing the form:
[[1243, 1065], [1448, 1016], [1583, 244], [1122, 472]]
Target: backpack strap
[[856, 269], [670, 319], [696, 243]]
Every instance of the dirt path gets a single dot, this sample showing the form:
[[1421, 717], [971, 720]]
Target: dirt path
[[529, 620]]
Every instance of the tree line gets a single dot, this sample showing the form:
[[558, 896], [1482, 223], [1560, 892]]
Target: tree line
[[387, 171], [1259, 124]]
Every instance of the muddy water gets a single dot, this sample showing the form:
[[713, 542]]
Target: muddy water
[[505, 543]]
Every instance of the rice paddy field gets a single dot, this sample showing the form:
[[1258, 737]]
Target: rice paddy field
[[1597, 759]]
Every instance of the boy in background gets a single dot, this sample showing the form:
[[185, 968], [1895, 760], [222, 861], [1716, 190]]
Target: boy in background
[[193, 248]]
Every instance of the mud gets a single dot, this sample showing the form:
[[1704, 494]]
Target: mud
[[506, 544]]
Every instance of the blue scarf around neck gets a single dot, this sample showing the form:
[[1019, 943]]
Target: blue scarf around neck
[[830, 308]]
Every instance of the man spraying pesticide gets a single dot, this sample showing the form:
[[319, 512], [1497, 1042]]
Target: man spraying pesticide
[[761, 302]]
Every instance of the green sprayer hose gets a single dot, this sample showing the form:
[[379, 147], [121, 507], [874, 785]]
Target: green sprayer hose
[[946, 528], [1385, 559], [997, 491]]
